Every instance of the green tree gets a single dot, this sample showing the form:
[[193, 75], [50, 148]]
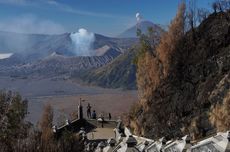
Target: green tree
[[17, 135], [14, 128]]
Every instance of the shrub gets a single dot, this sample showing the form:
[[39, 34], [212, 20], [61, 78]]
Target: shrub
[[220, 114]]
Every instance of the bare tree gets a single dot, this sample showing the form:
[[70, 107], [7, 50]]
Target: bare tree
[[214, 7], [202, 14], [192, 14], [225, 5], [46, 128], [221, 5]]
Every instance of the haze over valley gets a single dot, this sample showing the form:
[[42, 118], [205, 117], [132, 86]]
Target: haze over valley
[[42, 67], [115, 76]]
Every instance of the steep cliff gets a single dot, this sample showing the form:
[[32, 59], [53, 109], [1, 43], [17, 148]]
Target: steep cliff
[[185, 83]]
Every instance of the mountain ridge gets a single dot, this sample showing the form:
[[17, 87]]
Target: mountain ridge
[[52, 55], [143, 26], [119, 73]]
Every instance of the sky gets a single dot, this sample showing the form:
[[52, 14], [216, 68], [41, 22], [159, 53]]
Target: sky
[[107, 17]]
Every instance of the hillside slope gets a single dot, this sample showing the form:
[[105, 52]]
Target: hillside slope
[[198, 80], [57, 65], [120, 73]]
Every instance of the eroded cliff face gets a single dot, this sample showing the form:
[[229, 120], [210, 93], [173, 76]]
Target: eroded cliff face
[[198, 77]]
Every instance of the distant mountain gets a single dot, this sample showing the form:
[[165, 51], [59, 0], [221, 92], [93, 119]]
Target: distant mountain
[[38, 46], [50, 55], [121, 72], [143, 26], [119, 43]]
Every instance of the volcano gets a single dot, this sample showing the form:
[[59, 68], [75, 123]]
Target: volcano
[[143, 26]]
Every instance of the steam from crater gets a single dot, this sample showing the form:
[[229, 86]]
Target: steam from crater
[[83, 42], [138, 17]]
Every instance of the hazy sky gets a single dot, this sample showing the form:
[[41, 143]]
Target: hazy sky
[[108, 17]]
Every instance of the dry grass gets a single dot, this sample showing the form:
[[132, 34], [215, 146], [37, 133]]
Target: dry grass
[[220, 114]]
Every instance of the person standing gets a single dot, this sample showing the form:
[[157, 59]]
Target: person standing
[[101, 119], [94, 115], [89, 111], [110, 116]]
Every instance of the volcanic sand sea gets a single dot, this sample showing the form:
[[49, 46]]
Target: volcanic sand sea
[[64, 97]]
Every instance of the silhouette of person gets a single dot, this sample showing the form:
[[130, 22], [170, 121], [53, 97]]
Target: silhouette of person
[[94, 115], [101, 118], [110, 116], [89, 111]]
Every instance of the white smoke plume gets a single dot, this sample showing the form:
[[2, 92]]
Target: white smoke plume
[[138, 17], [30, 24], [83, 42], [23, 25]]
